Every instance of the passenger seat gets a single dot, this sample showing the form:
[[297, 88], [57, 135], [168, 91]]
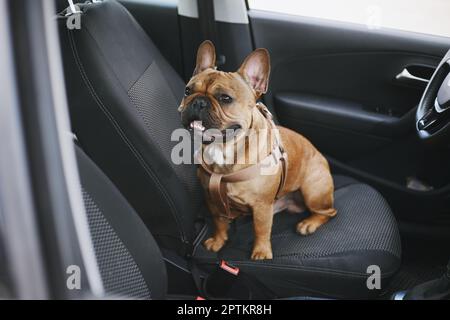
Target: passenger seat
[[123, 98], [130, 262]]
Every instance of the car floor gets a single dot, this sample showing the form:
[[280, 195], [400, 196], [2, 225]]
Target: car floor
[[422, 261]]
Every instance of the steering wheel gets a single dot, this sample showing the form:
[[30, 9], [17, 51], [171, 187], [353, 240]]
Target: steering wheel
[[433, 112]]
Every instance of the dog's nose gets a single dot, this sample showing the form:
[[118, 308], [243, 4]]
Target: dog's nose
[[200, 103]]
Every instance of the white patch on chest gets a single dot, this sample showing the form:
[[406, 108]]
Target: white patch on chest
[[214, 154]]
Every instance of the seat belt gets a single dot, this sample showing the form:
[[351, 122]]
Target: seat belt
[[229, 282], [226, 281], [208, 27]]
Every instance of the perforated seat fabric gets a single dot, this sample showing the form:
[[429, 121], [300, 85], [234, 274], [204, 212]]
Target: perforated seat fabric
[[336, 256], [129, 260], [123, 99]]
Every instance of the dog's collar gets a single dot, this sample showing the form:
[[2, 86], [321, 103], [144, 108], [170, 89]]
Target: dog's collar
[[217, 187]]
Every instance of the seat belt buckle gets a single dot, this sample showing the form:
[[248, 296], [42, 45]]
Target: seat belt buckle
[[228, 268]]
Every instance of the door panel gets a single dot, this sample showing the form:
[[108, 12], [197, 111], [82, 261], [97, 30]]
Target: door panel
[[345, 88], [342, 119], [346, 69]]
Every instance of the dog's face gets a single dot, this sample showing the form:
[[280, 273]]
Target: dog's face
[[223, 100]]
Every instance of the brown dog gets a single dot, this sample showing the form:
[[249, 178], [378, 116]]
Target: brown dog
[[223, 100]]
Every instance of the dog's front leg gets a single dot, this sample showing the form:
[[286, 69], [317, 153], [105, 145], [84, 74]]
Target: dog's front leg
[[217, 241], [262, 223]]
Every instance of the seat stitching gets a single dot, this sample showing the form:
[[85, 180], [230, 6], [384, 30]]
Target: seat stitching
[[117, 127], [299, 267]]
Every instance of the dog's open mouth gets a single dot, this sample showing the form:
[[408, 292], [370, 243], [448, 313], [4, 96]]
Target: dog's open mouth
[[211, 135]]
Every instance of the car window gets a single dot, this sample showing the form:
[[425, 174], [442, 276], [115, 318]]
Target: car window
[[423, 16]]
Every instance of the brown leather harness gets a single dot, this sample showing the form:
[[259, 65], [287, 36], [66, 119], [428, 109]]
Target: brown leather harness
[[217, 184]]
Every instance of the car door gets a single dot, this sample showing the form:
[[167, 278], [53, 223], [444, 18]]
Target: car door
[[349, 75]]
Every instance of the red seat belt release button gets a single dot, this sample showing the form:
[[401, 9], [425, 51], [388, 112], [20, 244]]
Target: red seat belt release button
[[225, 266]]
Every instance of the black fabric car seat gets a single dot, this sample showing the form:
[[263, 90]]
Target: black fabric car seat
[[123, 99], [129, 260]]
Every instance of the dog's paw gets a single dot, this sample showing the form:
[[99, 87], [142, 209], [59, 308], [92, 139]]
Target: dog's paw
[[310, 224], [214, 244], [262, 253]]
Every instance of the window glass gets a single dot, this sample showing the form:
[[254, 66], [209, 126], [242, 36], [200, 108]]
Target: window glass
[[423, 16]]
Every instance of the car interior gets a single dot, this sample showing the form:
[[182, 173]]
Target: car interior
[[365, 98]]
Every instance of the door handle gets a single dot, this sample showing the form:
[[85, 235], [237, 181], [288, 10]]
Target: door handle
[[406, 77]]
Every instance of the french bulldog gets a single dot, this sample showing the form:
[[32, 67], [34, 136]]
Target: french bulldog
[[225, 102]]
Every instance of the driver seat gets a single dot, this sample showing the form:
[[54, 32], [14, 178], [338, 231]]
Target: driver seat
[[123, 98]]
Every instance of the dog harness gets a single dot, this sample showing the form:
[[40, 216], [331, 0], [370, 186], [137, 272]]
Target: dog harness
[[217, 184]]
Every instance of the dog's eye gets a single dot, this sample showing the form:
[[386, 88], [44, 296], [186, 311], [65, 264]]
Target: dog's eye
[[187, 91], [225, 98]]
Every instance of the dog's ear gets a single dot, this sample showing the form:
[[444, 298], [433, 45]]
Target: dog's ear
[[256, 70], [206, 57]]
